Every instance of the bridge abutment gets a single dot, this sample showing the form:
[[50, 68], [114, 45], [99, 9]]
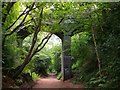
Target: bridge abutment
[[66, 58]]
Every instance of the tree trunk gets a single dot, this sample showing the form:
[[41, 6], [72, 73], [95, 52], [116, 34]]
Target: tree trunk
[[29, 57], [20, 68], [96, 51], [95, 44], [30, 53]]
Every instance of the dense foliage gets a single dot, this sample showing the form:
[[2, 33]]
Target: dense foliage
[[106, 27], [94, 29]]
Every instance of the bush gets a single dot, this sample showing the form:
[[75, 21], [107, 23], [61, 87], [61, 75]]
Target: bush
[[35, 76], [59, 76]]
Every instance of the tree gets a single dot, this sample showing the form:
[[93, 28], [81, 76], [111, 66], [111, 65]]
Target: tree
[[32, 51]]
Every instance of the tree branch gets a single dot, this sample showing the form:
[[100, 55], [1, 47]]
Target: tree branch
[[61, 20], [22, 20], [44, 43], [35, 34], [28, 21], [8, 8], [17, 18], [18, 25], [30, 54]]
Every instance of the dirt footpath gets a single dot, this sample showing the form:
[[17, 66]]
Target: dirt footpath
[[52, 82]]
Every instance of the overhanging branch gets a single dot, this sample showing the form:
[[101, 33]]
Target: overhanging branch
[[22, 20], [44, 43], [17, 18], [16, 28]]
